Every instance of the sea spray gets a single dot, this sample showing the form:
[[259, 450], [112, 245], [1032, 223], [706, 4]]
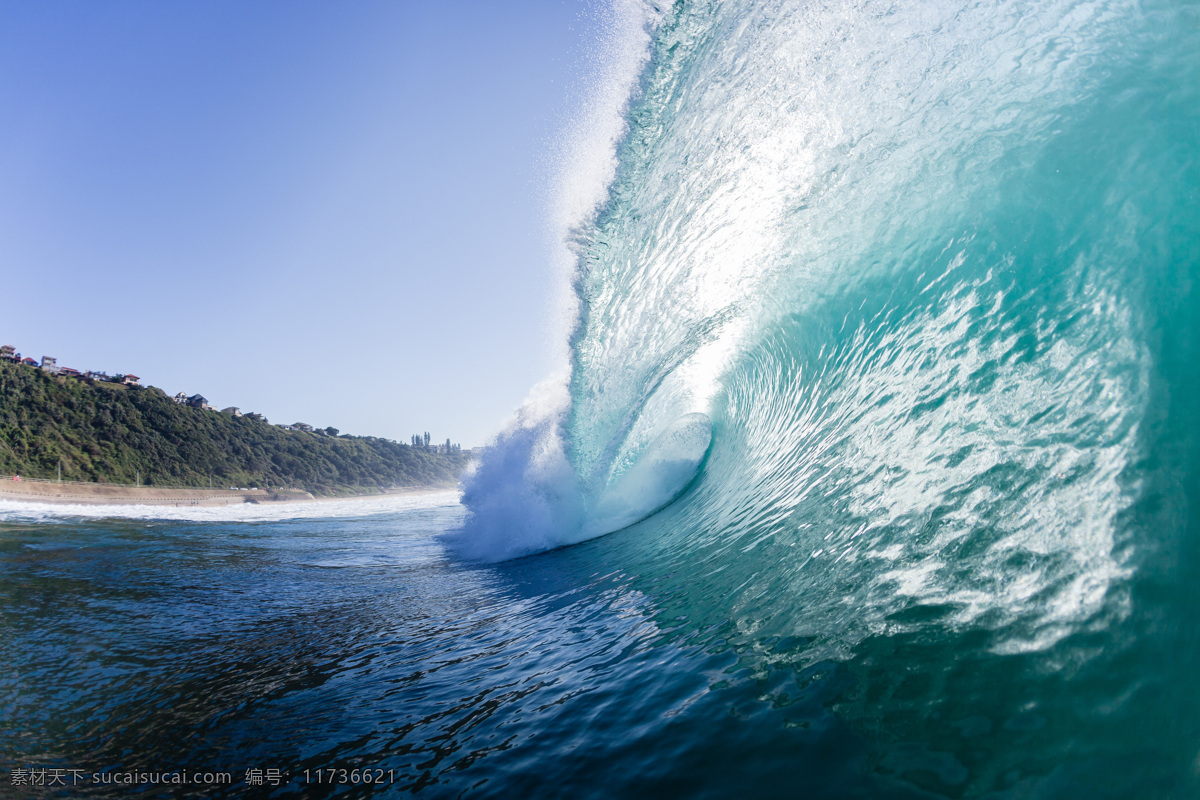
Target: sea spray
[[524, 495]]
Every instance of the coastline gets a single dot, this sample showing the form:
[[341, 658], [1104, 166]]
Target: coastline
[[100, 494]]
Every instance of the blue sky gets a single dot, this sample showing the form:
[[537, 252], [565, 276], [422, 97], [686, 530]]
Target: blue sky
[[329, 213]]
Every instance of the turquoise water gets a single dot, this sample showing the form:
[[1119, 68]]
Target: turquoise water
[[917, 284]]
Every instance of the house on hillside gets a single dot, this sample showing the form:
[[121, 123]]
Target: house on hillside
[[302, 426], [67, 372], [50, 364], [8, 352], [29, 362], [181, 398], [96, 376], [231, 411], [254, 415], [199, 401], [130, 380]]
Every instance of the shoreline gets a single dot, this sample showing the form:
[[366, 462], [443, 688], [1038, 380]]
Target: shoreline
[[100, 494]]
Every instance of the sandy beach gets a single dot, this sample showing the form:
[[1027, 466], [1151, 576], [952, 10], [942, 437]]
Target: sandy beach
[[110, 494]]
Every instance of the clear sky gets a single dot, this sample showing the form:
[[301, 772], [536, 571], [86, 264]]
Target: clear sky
[[333, 213]]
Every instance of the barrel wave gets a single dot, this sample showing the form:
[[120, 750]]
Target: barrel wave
[[927, 270], [924, 266]]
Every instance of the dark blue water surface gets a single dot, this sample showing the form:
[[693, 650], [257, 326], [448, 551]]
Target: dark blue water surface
[[601, 670]]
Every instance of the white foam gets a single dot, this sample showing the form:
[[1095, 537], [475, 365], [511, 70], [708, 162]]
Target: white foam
[[523, 495], [20, 511]]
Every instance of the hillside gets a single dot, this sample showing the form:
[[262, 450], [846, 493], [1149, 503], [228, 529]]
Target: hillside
[[107, 432]]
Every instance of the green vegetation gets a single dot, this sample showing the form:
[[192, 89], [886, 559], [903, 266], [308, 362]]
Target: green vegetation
[[108, 433]]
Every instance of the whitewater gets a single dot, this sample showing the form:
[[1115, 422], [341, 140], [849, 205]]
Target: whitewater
[[871, 470]]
